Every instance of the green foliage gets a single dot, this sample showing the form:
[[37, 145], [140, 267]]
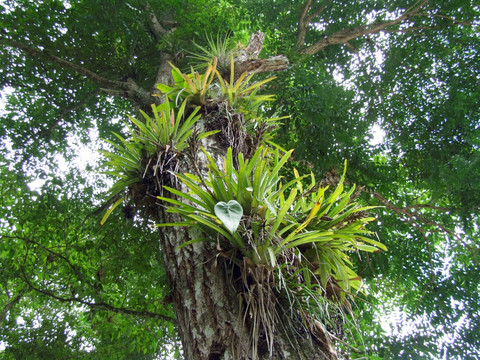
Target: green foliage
[[277, 216], [55, 260], [417, 80], [192, 87], [220, 48], [302, 235], [239, 93], [151, 144]]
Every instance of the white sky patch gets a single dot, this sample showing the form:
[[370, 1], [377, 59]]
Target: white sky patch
[[20, 321], [398, 323], [86, 161], [378, 135], [4, 92]]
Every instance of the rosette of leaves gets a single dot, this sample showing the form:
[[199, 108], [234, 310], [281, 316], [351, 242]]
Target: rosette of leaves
[[229, 107], [290, 241], [219, 48], [242, 99], [191, 87], [240, 93], [147, 159]]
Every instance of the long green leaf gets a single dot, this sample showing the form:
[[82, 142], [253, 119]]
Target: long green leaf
[[109, 211], [183, 223], [213, 226], [186, 196], [281, 214], [308, 238]]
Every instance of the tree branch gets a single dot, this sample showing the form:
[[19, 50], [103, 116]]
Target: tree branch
[[428, 206], [10, 305], [415, 28], [305, 20], [163, 72], [76, 106], [101, 305], [83, 279], [253, 66], [418, 221], [343, 36], [159, 31], [127, 89], [157, 28], [74, 268], [453, 20], [247, 60], [47, 133]]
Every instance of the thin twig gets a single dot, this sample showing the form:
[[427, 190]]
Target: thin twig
[[417, 220], [100, 305], [10, 305]]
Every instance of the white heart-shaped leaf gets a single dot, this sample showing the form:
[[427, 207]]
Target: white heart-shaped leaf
[[229, 214]]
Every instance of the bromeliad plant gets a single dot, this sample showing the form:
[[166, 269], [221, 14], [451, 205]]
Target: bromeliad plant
[[147, 160], [230, 108], [254, 213], [242, 95], [219, 48], [287, 239], [191, 87]]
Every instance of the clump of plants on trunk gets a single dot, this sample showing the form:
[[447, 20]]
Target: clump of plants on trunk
[[288, 242]]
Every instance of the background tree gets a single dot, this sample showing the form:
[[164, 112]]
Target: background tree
[[75, 67]]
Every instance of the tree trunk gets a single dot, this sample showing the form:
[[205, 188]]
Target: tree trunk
[[213, 320], [209, 308]]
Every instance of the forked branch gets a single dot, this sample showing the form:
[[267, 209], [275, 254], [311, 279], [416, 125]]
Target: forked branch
[[345, 35], [305, 20]]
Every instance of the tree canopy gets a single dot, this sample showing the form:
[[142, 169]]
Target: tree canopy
[[73, 70]]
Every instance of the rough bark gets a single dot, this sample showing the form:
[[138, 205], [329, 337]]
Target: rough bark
[[247, 60], [208, 307], [205, 303], [275, 63]]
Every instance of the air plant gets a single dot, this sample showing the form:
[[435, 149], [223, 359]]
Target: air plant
[[290, 241], [147, 159]]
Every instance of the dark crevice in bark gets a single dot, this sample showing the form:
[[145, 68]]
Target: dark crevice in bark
[[232, 129]]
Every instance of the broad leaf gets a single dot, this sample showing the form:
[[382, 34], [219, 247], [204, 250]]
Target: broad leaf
[[229, 214]]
